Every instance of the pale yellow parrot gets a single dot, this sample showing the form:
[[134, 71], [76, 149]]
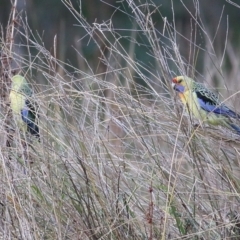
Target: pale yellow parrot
[[203, 103], [24, 111]]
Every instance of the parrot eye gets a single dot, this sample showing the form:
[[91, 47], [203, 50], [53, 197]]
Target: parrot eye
[[177, 81]]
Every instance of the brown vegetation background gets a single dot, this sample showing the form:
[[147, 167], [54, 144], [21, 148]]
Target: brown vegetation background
[[119, 156]]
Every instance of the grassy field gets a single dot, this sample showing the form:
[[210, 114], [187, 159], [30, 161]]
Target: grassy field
[[119, 159]]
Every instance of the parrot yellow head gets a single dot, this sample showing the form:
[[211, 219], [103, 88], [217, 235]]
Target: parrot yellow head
[[182, 84], [18, 82]]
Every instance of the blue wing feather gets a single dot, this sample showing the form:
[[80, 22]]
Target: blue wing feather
[[24, 113], [210, 105], [29, 117]]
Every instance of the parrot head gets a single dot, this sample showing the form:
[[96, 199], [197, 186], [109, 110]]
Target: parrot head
[[182, 84], [19, 84]]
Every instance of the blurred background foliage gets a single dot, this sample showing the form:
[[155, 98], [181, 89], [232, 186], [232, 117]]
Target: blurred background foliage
[[48, 19]]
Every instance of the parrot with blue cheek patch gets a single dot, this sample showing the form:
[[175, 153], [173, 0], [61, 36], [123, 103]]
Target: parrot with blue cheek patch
[[23, 109], [203, 103]]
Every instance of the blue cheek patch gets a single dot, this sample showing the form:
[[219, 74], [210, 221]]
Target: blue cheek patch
[[179, 88]]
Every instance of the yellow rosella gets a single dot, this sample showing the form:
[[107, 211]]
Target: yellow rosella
[[23, 108], [203, 103]]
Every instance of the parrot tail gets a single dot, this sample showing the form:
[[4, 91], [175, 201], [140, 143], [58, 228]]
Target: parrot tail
[[236, 128]]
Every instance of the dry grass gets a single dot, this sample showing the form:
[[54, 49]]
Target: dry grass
[[118, 160]]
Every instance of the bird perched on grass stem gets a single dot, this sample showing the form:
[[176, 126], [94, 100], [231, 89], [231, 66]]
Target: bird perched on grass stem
[[23, 108], [203, 103]]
